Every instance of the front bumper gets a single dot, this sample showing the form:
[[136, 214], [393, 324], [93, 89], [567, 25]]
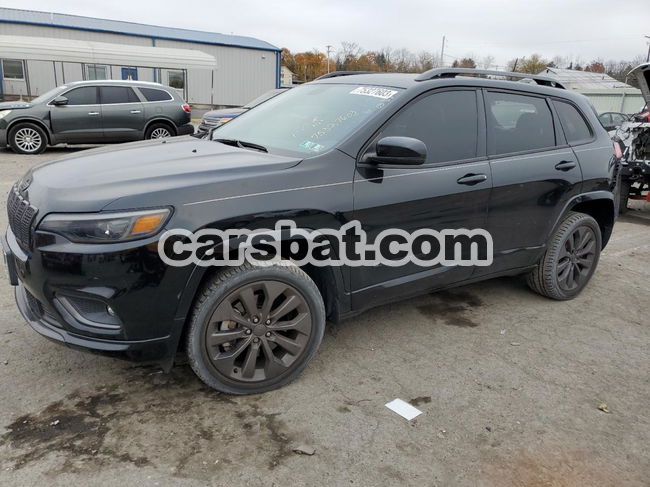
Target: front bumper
[[142, 350], [131, 280]]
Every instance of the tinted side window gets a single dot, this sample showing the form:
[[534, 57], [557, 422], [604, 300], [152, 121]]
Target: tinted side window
[[518, 123], [151, 94], [117, 94], [574, 125], [446, 122], [86, 95]]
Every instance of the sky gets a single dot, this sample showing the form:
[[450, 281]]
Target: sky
[[504, 29]]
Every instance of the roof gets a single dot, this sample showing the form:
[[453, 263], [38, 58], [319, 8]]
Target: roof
[[583, 80], [130, 28], [34, 48]]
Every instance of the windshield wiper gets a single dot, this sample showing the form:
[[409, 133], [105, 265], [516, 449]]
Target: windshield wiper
[[243, 144]]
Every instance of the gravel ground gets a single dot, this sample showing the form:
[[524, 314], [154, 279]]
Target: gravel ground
[[510, 385]]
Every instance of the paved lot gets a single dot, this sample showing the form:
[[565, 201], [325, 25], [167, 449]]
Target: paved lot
[[509, 382]]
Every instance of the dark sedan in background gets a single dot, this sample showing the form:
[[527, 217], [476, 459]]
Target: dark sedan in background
[[94, 112], [215, 118]]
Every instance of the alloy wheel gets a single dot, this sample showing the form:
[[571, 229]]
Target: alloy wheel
[[576, 258], [28, 139], [258, 331], [160, 133]]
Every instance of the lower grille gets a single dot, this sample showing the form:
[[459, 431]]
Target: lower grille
[[34, 305], [21, 217]]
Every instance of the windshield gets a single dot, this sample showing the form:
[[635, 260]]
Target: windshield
[[310, 119], [48, 94], [266, 96]]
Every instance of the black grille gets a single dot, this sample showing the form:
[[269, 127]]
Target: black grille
[[21, 216], [34, 305]]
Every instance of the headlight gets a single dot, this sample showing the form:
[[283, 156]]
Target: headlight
[[224, 119], [106, 227], [4, 113]]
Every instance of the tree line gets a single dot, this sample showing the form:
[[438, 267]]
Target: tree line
[[309, 65]]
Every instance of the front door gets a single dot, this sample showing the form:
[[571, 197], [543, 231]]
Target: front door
[[122, 113], [80, 120], [449, 191]]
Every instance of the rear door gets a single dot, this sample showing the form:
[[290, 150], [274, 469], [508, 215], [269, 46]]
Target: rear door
[[122, 113], [433, 195], [535, 173], [80, 121]]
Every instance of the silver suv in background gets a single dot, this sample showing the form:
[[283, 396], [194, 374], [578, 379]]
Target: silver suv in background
[[94, 112]]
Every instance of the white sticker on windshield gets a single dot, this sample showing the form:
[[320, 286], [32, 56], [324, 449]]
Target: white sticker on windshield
[[383, 93]]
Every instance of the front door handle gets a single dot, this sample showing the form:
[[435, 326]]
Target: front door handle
[[93, 113], [136, 111], [565, 165], [472, 179]]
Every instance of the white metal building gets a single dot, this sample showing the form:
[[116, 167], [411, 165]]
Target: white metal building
[[40, 50], [606, 93]]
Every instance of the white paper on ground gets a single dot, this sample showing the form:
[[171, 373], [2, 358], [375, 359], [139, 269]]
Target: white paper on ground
[[404, 409]]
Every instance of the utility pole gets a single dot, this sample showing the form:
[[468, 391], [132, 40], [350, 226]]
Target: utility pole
[[647, 59], [329, 48], [442, 53]]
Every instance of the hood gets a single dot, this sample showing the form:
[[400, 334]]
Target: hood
[[642, 75], [226, 112], [90, 180], [14, 105]]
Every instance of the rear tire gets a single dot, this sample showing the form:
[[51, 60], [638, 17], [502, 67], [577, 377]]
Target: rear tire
[[27, 138], [624, 195], [159, 130], [255, 329], [570, 259]]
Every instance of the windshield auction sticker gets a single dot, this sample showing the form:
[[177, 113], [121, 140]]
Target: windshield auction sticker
[[383, 93]]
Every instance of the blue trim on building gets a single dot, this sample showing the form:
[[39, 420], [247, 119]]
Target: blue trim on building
[[110, 31], [278, 69], [2, 81]]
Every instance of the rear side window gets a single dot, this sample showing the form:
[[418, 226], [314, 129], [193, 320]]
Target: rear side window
[[575, 128], [518, 123], [86, 95], [446, 122], [117, 94], [152, 94]]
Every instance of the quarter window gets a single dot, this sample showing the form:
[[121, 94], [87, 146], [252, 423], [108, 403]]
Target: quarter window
[[13, 69], [518, 123], [86, 95], [575, 128], [151, 94], [447, 123], [117, 94]]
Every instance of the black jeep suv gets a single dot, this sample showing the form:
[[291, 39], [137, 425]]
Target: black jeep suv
[[527, 161]]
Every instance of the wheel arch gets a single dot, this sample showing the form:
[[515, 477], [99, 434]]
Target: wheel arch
[[167, 121], [600, 206], [34, 121]]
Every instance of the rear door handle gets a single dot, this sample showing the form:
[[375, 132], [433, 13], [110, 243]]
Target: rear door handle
[[93, 113], [472, 179], [135, 111], [565, 165]]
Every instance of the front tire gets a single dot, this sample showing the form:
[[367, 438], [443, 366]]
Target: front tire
[[27, 138], [570, 259], [255, 329]]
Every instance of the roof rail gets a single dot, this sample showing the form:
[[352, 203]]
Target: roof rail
[[336, 74], [453, 72]]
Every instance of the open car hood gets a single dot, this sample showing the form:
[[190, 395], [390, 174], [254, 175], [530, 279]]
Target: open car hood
[[642, 74]]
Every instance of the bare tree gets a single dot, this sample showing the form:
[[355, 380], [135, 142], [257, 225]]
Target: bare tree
[[487, 62]]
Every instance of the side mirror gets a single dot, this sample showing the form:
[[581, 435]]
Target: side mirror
[[398, 150], [60, 100]]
